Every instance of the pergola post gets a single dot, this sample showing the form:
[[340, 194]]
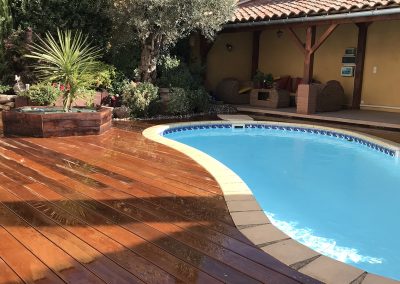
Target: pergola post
[[309, 55], [255, 53], [306, 95], [360, 59]]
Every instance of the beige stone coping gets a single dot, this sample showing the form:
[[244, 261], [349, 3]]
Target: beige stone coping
[[251, 220]]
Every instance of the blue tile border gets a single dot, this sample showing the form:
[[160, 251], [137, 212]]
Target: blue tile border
[[334, 134]]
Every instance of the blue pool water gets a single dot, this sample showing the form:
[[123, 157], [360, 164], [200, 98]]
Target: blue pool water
[[338, 197]]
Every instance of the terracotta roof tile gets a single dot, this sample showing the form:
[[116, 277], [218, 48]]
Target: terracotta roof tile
[[256, 10]]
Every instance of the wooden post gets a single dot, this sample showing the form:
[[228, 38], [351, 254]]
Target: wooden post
[[309, 55], [360, 58], [256, 52]]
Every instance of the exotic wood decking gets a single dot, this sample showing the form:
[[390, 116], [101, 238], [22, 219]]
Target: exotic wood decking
[[118, 208]]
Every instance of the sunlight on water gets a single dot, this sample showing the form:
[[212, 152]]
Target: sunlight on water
[[324, 246]]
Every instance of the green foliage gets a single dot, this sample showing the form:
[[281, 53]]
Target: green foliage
[[69, 60], [4, 89], [199, 100], [87, 95], [5, 19], [89, 16], [118, 83], [139, 97], [16, 46], [159, 24], [175, 73], [43, 94], [188, 101], [263, 80], [105, 76], [179, 101]]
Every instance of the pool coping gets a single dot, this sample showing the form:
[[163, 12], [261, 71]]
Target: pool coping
[[251, 220]]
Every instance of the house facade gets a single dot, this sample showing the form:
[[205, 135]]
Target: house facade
[[307, 38]]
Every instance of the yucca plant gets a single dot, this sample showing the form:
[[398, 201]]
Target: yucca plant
[[68, 60]]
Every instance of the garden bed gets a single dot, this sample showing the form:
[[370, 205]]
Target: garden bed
[[50, 122]]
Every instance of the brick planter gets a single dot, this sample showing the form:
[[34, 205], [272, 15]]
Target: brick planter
[[16, 123]]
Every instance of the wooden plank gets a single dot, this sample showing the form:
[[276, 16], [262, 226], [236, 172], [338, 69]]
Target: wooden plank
[[309, 55], [360, 59], [255, 53], [67, 268], [146, 231], [92, 259], [12, 252], [114, 250], [143, 207], [7, 275]]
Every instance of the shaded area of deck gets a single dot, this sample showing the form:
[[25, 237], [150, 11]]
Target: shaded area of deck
[[118, 208], [363, 118]]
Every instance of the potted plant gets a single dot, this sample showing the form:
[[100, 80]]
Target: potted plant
[[71, 66]]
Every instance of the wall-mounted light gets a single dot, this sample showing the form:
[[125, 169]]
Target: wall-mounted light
[[279, 33], [229, 47]]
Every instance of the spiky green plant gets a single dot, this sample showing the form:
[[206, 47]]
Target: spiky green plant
[[69, 60]]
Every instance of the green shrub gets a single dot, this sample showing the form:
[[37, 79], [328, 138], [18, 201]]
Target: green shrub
[[105, 76], [199, 100], [4, 89], [175, 74], [43, 93], [87, 95], [179, 102], [138, 97]]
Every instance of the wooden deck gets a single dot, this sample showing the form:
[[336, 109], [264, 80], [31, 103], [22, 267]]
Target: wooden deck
[[362, 118], [118, 208]]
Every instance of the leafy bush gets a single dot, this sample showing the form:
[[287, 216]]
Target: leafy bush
[[4, 89], [138, 97], [174, 73], [86, 95], [105, 76], [199, 100], [43, 93], [179, 101]]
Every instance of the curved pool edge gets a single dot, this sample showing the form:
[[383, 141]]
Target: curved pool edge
[[251, 220]]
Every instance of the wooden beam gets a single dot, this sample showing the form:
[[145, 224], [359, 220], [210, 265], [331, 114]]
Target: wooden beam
[[324, 37], [256, 53], [309, 56], [297, 40], [360, 58]]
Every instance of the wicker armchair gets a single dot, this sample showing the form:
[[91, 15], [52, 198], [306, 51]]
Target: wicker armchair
[[232, 91], [271, 98], [330, 97]]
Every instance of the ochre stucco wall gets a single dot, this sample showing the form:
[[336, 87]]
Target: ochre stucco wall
[[383, 51], [280, 56], [223, 64]]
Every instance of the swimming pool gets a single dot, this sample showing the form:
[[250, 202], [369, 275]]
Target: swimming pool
[[336, 193]]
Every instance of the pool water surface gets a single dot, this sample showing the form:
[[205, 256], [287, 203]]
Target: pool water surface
[[338, 197]]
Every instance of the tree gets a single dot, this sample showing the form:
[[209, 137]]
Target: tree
[[5, 28], [5, 19], [158, 24]]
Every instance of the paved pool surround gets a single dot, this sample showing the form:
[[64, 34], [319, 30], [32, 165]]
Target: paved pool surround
[[249, 217]]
